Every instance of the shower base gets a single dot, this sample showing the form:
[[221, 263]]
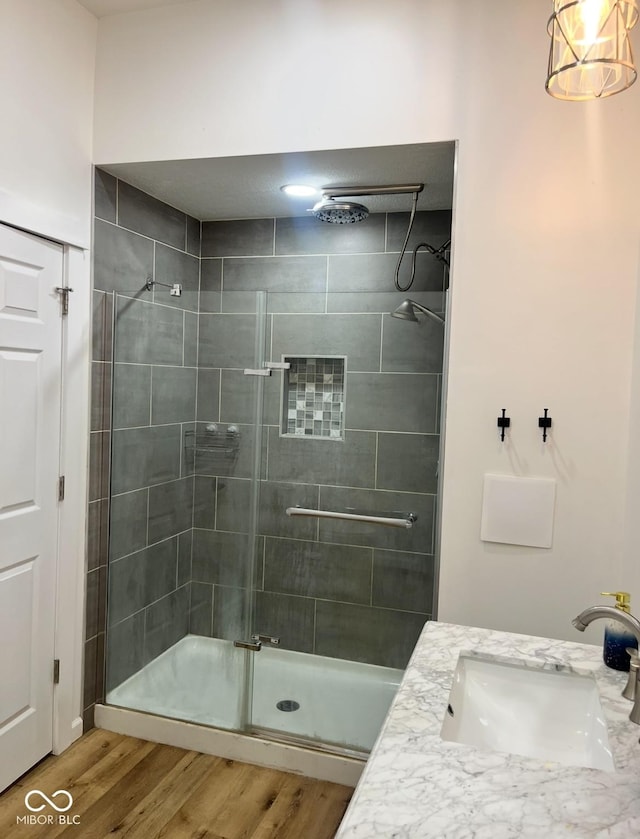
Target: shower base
[[341, 704]]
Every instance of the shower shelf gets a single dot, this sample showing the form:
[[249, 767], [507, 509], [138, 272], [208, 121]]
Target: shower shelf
[[406, 520], [214, 441]]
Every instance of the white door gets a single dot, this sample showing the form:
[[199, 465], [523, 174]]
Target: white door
[[30, 383]]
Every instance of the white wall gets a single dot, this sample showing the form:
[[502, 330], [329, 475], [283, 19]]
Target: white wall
[[47, 63], [545, 237]]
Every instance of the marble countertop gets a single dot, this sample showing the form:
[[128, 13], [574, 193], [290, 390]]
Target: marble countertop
[[417, 786]]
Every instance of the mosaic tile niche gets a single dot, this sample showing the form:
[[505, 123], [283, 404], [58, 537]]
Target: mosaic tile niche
[[313, 399]]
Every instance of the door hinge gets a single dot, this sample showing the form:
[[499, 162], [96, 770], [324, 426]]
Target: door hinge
[[56, 671], [64, 298], [61, 484]]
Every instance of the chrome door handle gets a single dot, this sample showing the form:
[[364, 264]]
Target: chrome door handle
[[254, 646]]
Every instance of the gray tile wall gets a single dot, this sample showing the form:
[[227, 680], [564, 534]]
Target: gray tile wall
[[148, 553], [334, 588], [178, 548]]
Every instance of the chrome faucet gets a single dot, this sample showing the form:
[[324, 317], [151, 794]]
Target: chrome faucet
[[582, 621]]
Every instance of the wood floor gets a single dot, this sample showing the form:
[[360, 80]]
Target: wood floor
[[125, 787]]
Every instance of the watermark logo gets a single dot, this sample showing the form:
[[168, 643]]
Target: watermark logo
[[63, 792], [36, 801]]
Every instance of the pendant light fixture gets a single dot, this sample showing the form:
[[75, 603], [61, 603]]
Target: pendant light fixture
[[590, 55]]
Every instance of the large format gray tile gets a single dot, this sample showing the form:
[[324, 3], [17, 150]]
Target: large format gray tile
[[409, 347], [403, 581], [408, 462], [174, 266], [201, 609], [102, 326], [238, 398], [350, 462], [220, 558], [208, 395], [94, 671], [166, 622], [227, 340], [141, 578], [276, 273], [125, 649], [290, 619], [314, 569], [147, 333], [95, 601], [274, 500], [185, 544], [367, 634], [308, 235], [151, 217], [97, 534], [432, 226], [122, 261], [355, 336], [193, 236], [286, 302], [91, 668], [211, 285], [170, 509], [173, 394], [383, 302], [128, 532], [233, 503], [132, 395], [239, 237], [392, 402], [191, 321], [230, 613], [100, 669], [418, 538], [204, 504], [105, 195], [145, 456], [100, 396], [99, 465], [376, 273]]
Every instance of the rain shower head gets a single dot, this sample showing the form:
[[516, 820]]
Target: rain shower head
[[339, 212], [349, 212], [407, 311]]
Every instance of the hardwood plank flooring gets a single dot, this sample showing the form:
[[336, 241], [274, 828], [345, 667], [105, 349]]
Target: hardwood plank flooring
[[131, 789]]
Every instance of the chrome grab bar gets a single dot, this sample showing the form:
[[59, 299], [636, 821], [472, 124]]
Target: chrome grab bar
[[408, 520]]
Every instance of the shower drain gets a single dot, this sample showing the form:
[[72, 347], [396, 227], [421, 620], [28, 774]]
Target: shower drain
[[287, 705]]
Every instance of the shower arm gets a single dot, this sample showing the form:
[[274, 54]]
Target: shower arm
[[359, 191]]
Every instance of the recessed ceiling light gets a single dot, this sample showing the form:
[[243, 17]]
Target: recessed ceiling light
[[298, 190]]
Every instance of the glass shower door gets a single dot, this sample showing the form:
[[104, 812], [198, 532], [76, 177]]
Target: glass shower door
[[185, 449], [350, 428]]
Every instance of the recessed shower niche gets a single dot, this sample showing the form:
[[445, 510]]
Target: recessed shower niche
[[313, 397]]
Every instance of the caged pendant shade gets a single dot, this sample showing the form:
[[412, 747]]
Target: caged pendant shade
[[590, 55]]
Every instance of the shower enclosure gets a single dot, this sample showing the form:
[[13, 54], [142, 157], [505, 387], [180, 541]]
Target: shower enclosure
[[274, 450]]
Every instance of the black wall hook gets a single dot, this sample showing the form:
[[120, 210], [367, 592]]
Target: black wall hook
[[503, 422], [544, 423]]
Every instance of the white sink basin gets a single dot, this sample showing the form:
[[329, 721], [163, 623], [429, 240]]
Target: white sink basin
[[519, 708]]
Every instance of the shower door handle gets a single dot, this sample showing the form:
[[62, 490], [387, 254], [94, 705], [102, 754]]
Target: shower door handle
[[254, 646]]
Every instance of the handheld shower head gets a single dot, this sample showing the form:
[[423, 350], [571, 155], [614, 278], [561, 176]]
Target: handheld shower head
[[407, 311]]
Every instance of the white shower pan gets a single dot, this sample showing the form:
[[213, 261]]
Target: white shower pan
[[199, 680]]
